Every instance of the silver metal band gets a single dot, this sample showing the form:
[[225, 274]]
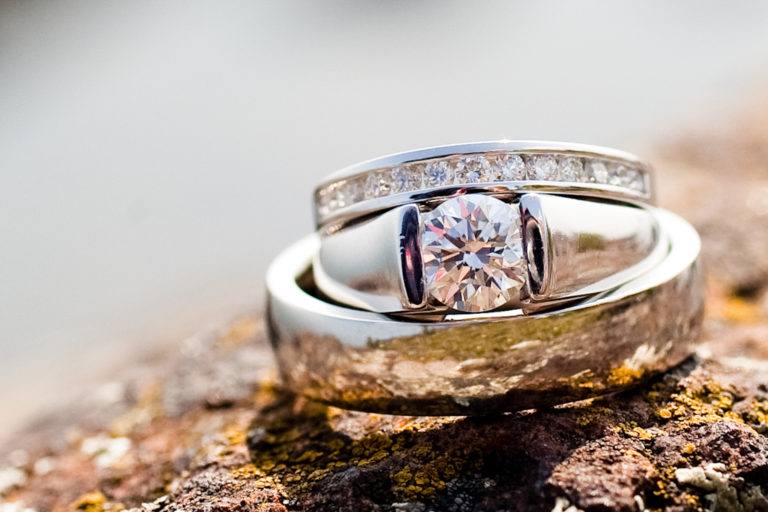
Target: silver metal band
[[571, 248], [498, 166], [499, 361]]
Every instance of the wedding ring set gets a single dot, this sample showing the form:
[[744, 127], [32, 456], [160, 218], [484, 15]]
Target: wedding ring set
[[482, 278]]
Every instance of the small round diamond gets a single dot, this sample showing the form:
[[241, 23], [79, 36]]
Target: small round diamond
[[473, 253], [635, 180], [350, 192], [509, 167], [324, 201], [542, 167], [337, 196], [570, 168], [616, 175], [438, 174], [473, 169], [597, 171], [405, 179], [377, 185]]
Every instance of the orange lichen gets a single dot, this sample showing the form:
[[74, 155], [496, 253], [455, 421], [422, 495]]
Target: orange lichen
[[738, 310]]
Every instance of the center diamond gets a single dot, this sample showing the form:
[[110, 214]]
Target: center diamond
[[473, 253]]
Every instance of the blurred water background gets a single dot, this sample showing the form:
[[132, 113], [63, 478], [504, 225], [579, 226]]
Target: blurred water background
[[154, 156]]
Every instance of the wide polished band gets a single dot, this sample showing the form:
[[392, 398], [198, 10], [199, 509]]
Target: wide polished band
[[497, 166], [500, 361], [569, 248]]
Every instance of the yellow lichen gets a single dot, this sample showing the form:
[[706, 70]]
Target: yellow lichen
[[301, 445], [95, 501], [689, 448], [707, 403], [309, 456], [422, 482], [757, 414], [248, 471], [692, 501], [235, 435], [624, 376], [631, 429]]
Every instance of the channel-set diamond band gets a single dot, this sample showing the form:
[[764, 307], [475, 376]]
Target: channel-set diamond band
[[479, 296], [493, 166]]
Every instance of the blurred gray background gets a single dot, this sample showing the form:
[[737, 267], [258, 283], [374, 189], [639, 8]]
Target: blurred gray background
[[154, 156]]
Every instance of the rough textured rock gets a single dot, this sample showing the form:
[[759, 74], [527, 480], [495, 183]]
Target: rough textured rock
[[206, 428]]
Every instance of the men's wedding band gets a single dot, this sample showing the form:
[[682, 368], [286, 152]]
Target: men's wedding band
[[487, 363], [485, 277]]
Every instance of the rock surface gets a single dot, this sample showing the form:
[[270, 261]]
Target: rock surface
[[205, 428]]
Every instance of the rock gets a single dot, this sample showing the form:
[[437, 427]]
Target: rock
[[205, 428]]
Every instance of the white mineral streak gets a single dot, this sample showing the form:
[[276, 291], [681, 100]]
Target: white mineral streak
[[105, 450], [11, 478], [563, 505], [15, 506], [724, 495]]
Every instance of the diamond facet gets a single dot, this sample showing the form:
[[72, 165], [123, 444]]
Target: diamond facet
[[341, 194], [473, 253], [509, 167], [377, 185], [597, 171], [473, 169], [438, 173], [570, 168], [543, 167], [617, 175], [323, 200], [405, 179], [635, 180]]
